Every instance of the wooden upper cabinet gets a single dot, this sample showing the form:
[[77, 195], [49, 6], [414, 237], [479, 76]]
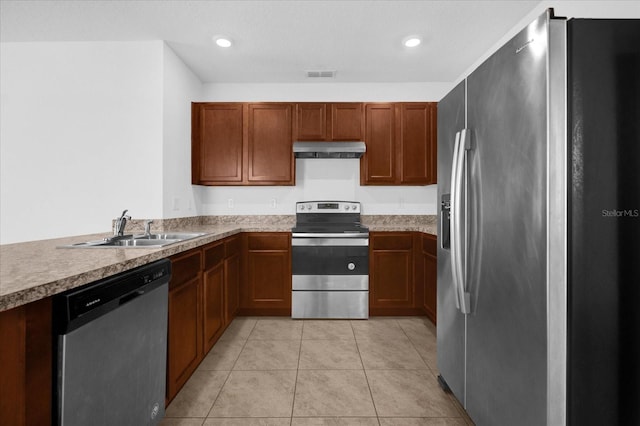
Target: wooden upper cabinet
[[270, 144], [401, 144], [329, 121], [311, 122], [242, 144], [217, 143], [346, 122], [377, 165]]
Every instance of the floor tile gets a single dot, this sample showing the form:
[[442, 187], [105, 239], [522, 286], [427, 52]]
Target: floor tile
[[256, 394], [170, 421], [393, 354], [461, 409], [417, 326], [223, 355], [327, 330], [424, 421], [409, 393], [378, 329], [248, 421], [329, 355], [334, 421], [337, 393], [269, 355], [240, 328], [426, 347], [198, 394], [277, 329]]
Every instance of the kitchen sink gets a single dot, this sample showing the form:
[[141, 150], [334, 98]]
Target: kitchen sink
[[139, 241]]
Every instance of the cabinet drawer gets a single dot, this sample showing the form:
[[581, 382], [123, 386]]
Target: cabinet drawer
[[185, 267], [429, 244], [213, 255], [268, 241], [232, 246], [392, 241]]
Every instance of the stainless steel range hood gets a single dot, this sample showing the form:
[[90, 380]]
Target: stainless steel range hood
[[328, 149]]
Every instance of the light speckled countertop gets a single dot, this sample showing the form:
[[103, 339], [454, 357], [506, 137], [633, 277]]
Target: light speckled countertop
[[34, 270]]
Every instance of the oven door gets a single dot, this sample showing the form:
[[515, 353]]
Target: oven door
[[330, 264]]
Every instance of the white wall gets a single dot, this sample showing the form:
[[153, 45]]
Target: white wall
[[80, 123], [180, 88], [612, 9], [328, 178]]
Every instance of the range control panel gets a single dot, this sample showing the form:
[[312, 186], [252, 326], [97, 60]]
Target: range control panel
[[328, 207]]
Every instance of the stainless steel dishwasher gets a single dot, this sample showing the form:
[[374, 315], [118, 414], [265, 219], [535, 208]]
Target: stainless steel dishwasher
[[111, 346]]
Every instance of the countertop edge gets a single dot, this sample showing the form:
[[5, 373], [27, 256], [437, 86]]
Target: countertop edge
[[40, 291]]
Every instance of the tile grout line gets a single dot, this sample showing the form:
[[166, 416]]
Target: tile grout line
[[373, 402], [230, 371], [295, 383]]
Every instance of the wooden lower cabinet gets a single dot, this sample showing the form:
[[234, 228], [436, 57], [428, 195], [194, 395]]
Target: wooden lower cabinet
[[430, 271], [203, 300], [267, 287], [402, 280], [26, 364], [391, 280], [184, 348], [232, 275]]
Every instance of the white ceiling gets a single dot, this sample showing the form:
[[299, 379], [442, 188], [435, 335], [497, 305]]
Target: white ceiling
[[278, 41]]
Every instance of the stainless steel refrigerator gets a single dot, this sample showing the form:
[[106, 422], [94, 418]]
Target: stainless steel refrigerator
[[539, 238]]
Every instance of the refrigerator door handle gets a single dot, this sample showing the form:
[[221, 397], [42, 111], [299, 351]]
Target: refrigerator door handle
[[454, 215], [458, 190]]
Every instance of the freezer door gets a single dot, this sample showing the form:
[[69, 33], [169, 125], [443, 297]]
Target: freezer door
[[450, 321], [506, 329]]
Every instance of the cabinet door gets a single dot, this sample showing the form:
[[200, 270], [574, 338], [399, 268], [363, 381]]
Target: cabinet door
[[217, 141], [377, 165], [185, 337], [415, 143], [346, 122], [430, 265], [270, 144], [268, 284], [311, 122], [391, 277], [213, 305], [232, 286]]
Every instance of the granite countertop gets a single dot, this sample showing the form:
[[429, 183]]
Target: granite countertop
[[37, 269]]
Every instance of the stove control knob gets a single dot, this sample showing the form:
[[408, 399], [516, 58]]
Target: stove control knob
[[353, 207], [346, 207], [308, 206], [351, 266]]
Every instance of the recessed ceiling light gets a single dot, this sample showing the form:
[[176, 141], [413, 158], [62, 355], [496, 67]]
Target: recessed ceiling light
[[411, 41], [223, 41]]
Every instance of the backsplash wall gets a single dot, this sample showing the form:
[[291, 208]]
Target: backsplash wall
[[317, 179]]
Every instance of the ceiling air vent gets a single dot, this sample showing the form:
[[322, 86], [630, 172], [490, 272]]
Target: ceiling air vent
[[321, 74]]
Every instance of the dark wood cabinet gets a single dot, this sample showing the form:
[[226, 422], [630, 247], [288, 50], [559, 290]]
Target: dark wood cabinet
[[26, 371], [213, 294], [242, 144], [217, 144], [184, 348], [232, 276], [341, 121], [377, 165], [270, 144], [417, 143], [401, 144], [391, 283], [267, 288], [430, 275]]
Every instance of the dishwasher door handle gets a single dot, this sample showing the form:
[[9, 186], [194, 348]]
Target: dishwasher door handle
[[129, 297]]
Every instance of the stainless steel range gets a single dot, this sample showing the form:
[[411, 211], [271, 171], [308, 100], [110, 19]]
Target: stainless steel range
[[330, 261]]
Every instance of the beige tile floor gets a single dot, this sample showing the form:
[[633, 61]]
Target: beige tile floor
[[279, 371]]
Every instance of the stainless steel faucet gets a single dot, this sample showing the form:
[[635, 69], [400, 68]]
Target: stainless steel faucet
[[121, 222], [147, 227]]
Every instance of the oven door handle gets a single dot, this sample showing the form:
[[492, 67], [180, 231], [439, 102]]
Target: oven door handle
[[314, 242], [330, 235]]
